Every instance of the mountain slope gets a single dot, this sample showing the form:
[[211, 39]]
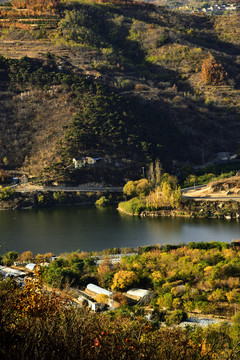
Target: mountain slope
[[101, 55]]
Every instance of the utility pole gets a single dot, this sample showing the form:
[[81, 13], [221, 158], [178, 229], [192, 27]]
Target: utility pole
[[143, 170]]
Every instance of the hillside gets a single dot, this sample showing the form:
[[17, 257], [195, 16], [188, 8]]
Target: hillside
[[120, 82]]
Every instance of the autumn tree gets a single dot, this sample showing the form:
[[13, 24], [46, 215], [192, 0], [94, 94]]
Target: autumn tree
[[26, 256], [213, 72], [124, 279], [137, 188], [154, 173], [104, 270]]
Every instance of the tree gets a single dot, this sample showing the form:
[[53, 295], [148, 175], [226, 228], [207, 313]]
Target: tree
[[213, 72], [124, 279], [26, 256], [129, 189], [137, 188], [155, 172], [103, 270], [142, 187], [9, 258]]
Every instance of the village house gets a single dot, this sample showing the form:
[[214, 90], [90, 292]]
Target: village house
[[80, 162]]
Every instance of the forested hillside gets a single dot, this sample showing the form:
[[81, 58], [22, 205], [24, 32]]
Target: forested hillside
[[121, 81]]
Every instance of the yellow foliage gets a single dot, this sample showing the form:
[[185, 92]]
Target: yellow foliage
[[102, 298], [124, 279]]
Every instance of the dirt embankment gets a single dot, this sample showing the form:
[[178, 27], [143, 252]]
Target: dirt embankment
[[223, 190]]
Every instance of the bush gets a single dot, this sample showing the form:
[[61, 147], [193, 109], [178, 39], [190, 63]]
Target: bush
[[176, 317], [6, 193], [134, 206], [103, 201]]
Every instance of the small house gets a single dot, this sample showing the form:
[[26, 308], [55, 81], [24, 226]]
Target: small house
[[79, 162]]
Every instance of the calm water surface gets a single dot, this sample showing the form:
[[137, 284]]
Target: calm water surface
[[89, 228]]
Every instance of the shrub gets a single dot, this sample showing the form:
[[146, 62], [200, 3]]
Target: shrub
[[6, 193], [103, 201], [59, 196], [120, 298], [176, 317], [134, 206]]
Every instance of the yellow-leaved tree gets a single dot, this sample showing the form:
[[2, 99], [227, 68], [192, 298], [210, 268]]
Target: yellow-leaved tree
[[124, 279]]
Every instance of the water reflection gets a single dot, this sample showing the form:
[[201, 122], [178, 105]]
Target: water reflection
[[90, 228]]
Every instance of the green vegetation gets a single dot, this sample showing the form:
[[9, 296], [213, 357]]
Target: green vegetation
[[73, 269], [192, 180], [102, 201], [160, 191], [197, 277], [9, 258], [6, 194], [134, 206]]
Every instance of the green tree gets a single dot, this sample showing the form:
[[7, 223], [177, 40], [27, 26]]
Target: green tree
[[9, 258]]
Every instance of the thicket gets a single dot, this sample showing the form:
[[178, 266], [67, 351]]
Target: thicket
[[73, 269], [201, 277]]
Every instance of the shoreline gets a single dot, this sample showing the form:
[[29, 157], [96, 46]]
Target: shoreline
[[227, 210]]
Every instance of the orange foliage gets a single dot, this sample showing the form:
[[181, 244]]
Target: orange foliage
[[32, 300], [25, 256], [43, 5], [212, 72], [103, 269]]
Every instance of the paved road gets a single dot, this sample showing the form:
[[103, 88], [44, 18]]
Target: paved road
[[68, 189], [120, 189], [197, 187], [216, 198]]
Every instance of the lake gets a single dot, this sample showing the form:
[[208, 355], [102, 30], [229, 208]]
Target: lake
[[89, 228]]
